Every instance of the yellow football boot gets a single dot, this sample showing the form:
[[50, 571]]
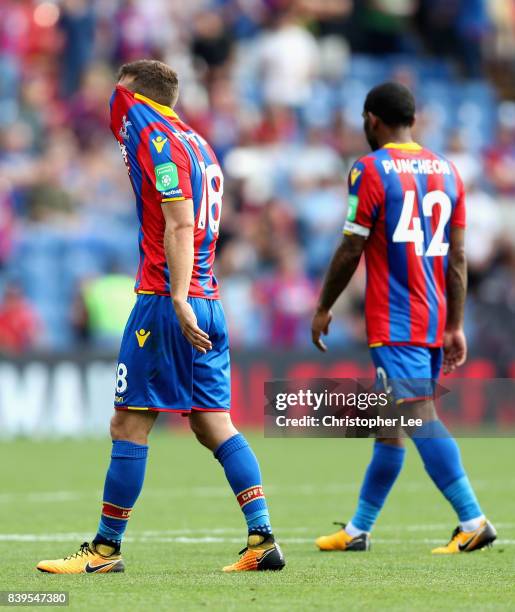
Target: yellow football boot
[[341, 540], [87, 560], [468, 541], [261, 553]]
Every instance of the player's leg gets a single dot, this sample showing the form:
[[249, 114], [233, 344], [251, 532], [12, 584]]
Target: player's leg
[[382, 472], [125, 476], [123, 484], [138, 365], [380, 476], [130, 427], [216, 432], [211, 423], [442, 460]]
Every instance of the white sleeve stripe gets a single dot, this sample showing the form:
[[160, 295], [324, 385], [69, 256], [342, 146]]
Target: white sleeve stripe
[[354, 228]]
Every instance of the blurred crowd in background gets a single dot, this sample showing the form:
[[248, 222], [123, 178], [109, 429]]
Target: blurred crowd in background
[[277, 87]]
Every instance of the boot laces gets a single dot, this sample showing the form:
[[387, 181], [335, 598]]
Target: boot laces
[[455, 533], [83, 550]]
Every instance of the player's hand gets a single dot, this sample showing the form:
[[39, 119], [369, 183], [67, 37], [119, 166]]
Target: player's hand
[[188, 321], [319, 326], [454, 350]]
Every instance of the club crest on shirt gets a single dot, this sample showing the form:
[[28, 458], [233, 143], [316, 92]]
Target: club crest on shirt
[[124, 130]]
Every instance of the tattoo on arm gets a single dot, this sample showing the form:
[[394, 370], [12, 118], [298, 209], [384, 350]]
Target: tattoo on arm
[[456, 279], [342, 267]]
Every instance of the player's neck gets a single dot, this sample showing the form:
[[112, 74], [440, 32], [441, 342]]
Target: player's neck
[[400, 136]]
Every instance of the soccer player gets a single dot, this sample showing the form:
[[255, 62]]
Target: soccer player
[[174, 355], [407, 213]]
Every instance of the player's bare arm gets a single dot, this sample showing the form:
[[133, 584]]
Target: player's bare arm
[[178, 242], [341, 269], [455, 344]]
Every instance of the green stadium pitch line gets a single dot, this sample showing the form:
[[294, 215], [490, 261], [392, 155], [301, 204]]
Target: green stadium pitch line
[[189, 537]]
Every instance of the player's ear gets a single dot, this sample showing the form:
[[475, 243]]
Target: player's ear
[[373, 120], [175, 99]]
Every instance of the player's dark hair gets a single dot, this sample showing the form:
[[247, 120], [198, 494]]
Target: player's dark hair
[[153, 79], [393, 103]]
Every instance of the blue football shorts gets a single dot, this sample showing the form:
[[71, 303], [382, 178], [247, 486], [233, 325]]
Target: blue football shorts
[[159, 370], [408, 372]]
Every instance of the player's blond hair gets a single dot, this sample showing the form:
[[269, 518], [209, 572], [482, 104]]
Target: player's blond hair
[[153, 79]]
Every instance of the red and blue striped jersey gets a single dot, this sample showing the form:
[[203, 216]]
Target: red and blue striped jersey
[[167, 161], [404, 199]]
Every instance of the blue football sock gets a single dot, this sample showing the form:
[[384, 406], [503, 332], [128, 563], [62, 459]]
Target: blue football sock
[[442, 460], [381, 473], [123, 485], [242, 470]]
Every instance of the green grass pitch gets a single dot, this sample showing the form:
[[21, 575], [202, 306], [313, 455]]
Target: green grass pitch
[[187, 525]]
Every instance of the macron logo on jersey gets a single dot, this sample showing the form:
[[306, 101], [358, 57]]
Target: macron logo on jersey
[[159, 142], [416, 166]]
